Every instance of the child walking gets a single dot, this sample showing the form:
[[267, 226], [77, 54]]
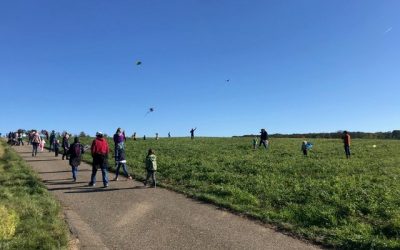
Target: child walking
[[255, 143], [41, 145], [151, 167], [120, 160], [305, 146], [56, 147]]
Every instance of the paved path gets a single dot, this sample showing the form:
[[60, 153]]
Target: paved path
[[127, 216]]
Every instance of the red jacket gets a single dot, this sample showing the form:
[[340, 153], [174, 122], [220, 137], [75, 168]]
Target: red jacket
[[99, 146]]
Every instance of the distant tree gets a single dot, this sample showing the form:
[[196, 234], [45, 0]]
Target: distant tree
[[82, 134], [396, 134]]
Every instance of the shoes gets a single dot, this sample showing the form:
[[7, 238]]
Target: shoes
[[129, 177], [74, 180], [144, 183], [106, 185], [115, 179], [91, 184]]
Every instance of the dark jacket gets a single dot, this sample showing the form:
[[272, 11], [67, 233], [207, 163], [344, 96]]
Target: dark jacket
[[65, 143], [75, 154], [264, 135]]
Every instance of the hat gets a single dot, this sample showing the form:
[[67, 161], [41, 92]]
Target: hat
[[98, 133]]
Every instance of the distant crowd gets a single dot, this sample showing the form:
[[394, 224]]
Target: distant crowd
[[100, 150]]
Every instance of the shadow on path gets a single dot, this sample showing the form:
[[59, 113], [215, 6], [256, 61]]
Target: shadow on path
[[101, 189], [41, 160], [64, 171]]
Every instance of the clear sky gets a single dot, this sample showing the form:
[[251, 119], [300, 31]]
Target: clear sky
[[293, 66]]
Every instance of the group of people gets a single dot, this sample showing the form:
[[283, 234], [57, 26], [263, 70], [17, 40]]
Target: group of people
[[305, 145], [100, 153]]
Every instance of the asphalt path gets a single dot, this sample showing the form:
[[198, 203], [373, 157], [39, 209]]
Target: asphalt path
[[128, 216]]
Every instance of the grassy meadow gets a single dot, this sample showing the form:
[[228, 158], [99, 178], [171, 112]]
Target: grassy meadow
[[30, 218], [323, 197]]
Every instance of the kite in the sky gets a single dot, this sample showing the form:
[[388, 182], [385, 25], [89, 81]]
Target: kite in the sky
[[149, 111], [138, 63]]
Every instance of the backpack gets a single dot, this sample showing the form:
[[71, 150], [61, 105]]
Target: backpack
[[77, 151]]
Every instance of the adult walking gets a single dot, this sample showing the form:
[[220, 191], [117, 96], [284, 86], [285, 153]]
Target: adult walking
[[75, 156], [346, 141], [192, 133], [52, 140], [99, 150], [119, 139], [20, 141], [36, 140], [263, 138], [65, 146]]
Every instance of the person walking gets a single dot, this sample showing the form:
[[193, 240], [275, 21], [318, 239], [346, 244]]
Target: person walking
[[65, 146], [346, 141], [99, 150], [56, 147], [36, 140], [121, 162], [263, 138], [30, 137], [75, 152], [255, 143], [151, 167], [119, 139], [192, 133], [20, 141], [52, 140], [304, 148]]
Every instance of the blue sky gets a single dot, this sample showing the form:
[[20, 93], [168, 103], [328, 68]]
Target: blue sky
[[293, 66]]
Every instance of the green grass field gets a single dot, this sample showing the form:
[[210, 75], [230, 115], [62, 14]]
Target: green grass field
[[29, 217], [324, 197]]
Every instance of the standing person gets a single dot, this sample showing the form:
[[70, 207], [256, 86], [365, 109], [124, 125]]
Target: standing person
[[99, 150], [65, 146], [144, 137], [156, 136], [20, 141], [41, 145], [255, 143], [346, 141], [151, 167], [263, 138], [119, 140], [52, 140], [121, 162], [75, 156], [304, 147], [169, 134], [134, 136], [35, 142], [30, 137], [56, 147], [192, 133]]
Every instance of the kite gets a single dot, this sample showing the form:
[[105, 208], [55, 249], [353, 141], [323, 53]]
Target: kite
[[138, 63], [150, 110]]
